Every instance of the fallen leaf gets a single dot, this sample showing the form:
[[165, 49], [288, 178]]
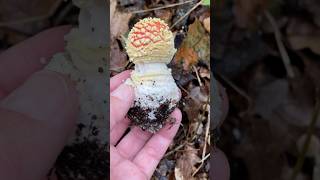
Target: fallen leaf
[[119, 26], [118, 58], [118, 20], [186, 164], [198, 96], [204, 73], [308, 41], [302, 34], [206, 24], [187, 55], [164, 14], [195, 47]]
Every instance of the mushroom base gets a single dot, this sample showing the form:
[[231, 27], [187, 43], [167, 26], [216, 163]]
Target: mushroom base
[[139, 116]]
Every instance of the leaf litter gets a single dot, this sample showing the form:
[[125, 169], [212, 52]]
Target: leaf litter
[[265, 141], [191, 70]]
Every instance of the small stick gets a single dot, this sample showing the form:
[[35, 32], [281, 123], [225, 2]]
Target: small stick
[[204, 156], [193, 8], [198, 77], [175, 149], [306, 144], [163, 7], [282, 49]]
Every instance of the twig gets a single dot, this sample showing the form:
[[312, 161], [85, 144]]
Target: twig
[[163, 7], [205, 158], [198, 77], [180, 19], [175, 149], [183, 89], [282, 49], [204, 148], [306, 144], [33, 19]]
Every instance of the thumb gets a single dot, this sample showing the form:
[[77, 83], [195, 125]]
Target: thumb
[[35, 122], [121, 99]]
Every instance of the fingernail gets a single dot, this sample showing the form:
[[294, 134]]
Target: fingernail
[[45, 95], [123, 92]]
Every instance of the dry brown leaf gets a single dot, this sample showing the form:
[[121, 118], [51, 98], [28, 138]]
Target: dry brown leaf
[[309, 41], [206, 24], [164, 14], [198, 96], [119, 26], [186, 164], [303, 35], [204, 73], [187, 55], [118, 20], [194, 47]]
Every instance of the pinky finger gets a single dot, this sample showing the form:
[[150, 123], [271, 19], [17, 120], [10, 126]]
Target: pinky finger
[[150, 155]]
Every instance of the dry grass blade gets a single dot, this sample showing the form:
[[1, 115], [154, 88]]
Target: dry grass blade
[[306, 145], [282, 49], [175, 149], [163, 7], [204, 156], [193, 8], [198, 77]]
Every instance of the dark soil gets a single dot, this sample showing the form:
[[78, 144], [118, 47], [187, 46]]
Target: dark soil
[[83, 161], [139, 116]]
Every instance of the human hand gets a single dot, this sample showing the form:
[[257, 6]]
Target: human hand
[[138, 153], [37, 109]]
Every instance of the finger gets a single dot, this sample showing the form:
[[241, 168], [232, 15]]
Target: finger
[[219, 166], [133, 142], [118, 131], [118, 79], [148, 158], [20, 61], [36, 120], [128, 169], [121, 100]]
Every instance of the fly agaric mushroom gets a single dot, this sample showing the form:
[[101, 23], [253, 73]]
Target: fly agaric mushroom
[[150, 47]]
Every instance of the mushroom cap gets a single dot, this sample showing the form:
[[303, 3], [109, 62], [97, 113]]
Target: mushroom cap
[[150, 41]]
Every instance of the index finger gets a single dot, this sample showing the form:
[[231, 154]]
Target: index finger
[[20, 61], [118, 79]]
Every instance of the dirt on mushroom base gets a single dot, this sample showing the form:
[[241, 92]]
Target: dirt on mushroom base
[[140, 117]]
